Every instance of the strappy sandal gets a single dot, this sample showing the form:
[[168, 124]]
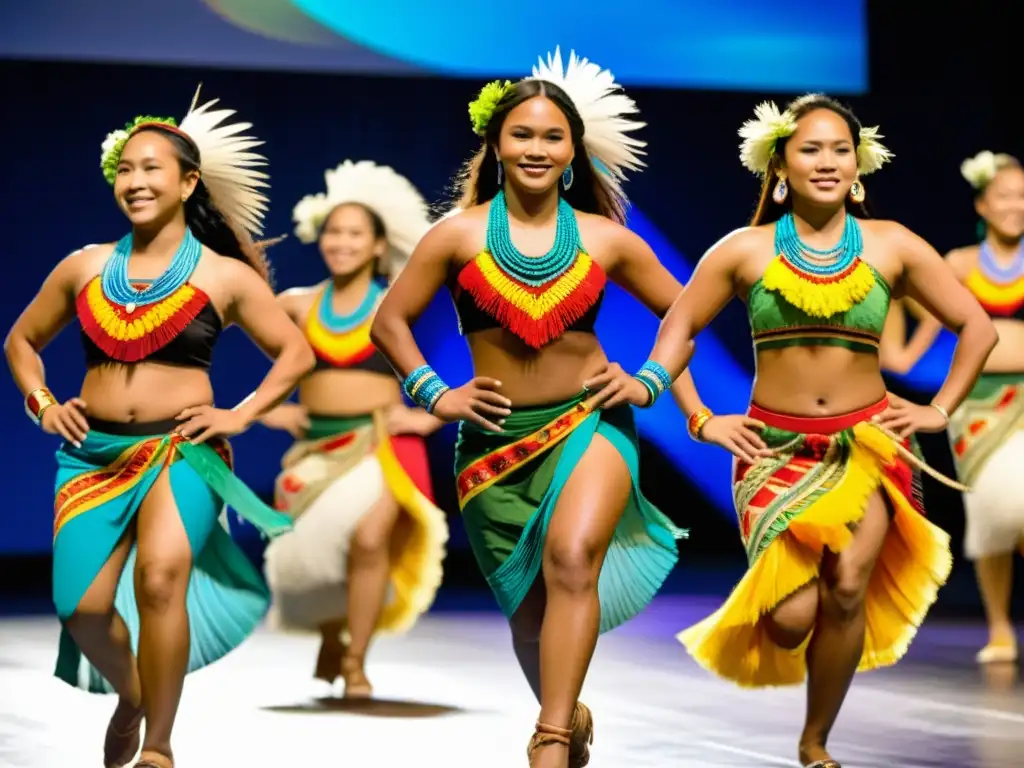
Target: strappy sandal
[[544, 735], [582, 736], [357, 685], [328, 662], [828, 763], [121, 747], [154, 760]]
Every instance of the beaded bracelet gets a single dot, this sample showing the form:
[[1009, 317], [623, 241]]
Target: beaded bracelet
[[424, 387], [653, 376], [36, 403], [696, 423]]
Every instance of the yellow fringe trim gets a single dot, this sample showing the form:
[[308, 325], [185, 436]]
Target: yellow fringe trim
[[819, 299], [535, 306], [143, 323], [914, 562], [416, 564]]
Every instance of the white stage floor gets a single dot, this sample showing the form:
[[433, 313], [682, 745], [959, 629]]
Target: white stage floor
[[452, 696]]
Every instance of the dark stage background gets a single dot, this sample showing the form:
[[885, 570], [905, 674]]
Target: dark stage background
[[937, 87]]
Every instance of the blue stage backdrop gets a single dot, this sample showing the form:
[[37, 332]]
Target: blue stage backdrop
[[725, 45]]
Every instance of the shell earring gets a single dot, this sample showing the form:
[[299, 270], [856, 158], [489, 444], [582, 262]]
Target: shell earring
[[857, 191], [781, 190], [501, 173]]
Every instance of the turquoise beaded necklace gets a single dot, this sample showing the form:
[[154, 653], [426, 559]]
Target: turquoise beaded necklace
[[119, 289], [336, 323], [526, 269], [818, 263]]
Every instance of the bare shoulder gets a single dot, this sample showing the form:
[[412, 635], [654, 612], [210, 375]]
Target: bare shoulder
[[458, 234], [297, 300], [742, 244], [80, 266], [962, 260]]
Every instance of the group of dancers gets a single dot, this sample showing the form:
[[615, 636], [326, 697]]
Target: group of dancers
[[843, 563]]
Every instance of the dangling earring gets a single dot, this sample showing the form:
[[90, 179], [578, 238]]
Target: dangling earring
[[568, 177], [501, 173], [857, 192], [781, 190]]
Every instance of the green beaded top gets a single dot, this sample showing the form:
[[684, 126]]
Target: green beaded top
[[775, 323]]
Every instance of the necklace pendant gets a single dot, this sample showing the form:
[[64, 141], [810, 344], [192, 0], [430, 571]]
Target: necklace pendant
[[129, 307]]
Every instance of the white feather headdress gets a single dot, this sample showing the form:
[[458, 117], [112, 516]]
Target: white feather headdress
[[983, 167], [761, 136], [603, 107], [228, 166], [381, 189]]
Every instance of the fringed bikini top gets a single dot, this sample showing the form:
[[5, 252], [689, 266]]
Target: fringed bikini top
[[343, 341], [818, 298], [167, 320], [536, 299], [999, 290]]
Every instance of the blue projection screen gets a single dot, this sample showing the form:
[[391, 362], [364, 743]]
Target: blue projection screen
[[745, 45]]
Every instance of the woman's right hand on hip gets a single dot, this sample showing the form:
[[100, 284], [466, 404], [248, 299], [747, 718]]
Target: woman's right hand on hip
[[478, 401]]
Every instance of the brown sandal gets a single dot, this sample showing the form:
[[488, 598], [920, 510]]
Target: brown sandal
[[328, 662], [121, 747], [582, 736], [544, 735], [357, 684]]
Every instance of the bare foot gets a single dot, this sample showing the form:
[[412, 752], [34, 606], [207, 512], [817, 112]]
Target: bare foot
[[122, 741], [816, 755], [357, 685]]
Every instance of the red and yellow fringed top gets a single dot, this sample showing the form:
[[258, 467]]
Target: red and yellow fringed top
[[178, 330], [349, 349], [491, 298], [1000, 300]]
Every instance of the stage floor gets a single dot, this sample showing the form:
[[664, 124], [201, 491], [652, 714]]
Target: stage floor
[[450, 694]]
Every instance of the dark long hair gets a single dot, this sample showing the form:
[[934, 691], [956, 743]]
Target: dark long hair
[[590, 193], [767, 209], [201, 214]]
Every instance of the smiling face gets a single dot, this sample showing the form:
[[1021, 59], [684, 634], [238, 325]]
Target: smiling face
[[535, 145], [150, 186], [820, 161], [350, 241], [1001, 205]]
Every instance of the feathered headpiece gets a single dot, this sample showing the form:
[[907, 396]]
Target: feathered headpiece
[[381, 189], [983, 167], [601, 103], [761, 136], [227, 165]]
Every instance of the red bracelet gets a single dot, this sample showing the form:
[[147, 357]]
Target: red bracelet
[[36, 403], [696, 422]]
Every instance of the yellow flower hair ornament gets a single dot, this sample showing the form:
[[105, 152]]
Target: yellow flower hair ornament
[[482, 107], [113, 145], [761, 137]]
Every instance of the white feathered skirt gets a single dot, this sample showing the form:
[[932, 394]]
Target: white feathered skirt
[[329, 483]]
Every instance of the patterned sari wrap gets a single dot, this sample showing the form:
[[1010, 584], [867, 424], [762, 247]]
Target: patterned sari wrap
[[100, 488], [986, 435], [329, 483], [508, 487], [808, 497]]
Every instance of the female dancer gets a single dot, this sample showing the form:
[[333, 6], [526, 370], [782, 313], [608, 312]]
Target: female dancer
[[842, 561], [141, 564], [987, 434], [356, 482], [546, 474]]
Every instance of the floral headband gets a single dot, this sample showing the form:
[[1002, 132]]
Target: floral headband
[[983, 167], [113, 145], [761, 136]]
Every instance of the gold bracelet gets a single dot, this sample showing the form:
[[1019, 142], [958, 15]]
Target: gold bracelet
[[695, 424], [36, 403], [940, 409]]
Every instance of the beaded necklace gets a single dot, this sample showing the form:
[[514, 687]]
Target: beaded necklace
[[995, 271], [131, 319], [118, 288], [342, 340], [535, 298], [822, 283]]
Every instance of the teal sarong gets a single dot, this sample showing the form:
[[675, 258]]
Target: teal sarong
[[508, 485], [100, 488]]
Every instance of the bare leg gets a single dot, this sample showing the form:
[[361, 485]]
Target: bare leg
[[161, 581], [580, 531], [526, 625], [368, 569], [101, 634], [838, 641], [995, 582], [332, 651]]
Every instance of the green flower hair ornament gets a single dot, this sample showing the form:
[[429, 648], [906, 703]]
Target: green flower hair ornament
[[482, 108], [113, 145]]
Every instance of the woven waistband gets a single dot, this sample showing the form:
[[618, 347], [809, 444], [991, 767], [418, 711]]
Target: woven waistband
[[816, 425]]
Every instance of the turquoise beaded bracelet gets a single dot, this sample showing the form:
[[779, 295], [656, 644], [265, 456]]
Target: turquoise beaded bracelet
[[653, 376], [424, 387]]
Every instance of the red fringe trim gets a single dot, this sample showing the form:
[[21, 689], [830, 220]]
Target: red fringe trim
[[135, 350], [536, 333]]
